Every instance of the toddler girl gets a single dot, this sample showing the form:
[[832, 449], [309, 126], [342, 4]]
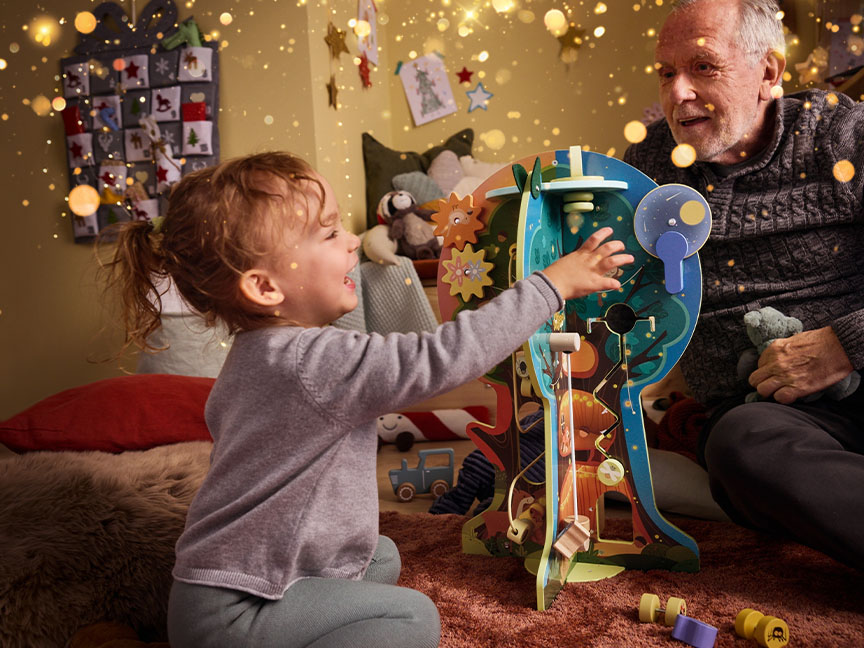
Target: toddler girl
[[281, 545]]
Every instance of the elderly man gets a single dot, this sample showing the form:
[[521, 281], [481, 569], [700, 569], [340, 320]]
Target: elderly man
[[788, 232]]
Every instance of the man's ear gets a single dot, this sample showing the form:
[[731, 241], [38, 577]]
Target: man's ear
[[259, 287], [773, 67]]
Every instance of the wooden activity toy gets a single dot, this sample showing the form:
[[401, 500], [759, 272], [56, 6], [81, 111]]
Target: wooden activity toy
[[767, 631], [650, 610], [586, 367]]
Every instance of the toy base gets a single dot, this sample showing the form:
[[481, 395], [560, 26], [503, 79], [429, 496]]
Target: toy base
[[579, 572]]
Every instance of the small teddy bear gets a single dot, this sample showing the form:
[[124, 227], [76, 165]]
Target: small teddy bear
[[414, 236], [767, 324]]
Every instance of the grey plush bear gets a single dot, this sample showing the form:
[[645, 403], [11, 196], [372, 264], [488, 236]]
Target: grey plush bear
[[767, 324], [409, 226]]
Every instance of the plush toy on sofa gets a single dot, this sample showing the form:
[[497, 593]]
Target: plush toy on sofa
[[409, 226], [767, 324]]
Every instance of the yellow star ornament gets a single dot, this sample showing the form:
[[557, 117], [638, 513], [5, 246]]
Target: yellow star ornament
[[467, 272]]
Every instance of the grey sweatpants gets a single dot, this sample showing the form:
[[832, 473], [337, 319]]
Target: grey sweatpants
[[317, 612], [794, 470]]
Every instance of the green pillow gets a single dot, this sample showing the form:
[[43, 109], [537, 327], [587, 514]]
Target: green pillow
[[382, 163]]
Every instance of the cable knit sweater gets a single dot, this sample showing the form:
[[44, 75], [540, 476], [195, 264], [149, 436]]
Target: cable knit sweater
[[785, 233]]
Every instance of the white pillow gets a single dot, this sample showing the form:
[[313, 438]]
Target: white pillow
[[479, 169], [467, 185]]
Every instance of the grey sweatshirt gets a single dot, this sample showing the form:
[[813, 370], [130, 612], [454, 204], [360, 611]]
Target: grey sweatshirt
[[785, 233], [292, 490]]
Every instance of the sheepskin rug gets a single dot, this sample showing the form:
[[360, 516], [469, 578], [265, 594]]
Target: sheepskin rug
[[89, 536]]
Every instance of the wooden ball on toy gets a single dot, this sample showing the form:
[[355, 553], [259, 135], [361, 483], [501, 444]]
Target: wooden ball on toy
[[650, 610], [768, 631]]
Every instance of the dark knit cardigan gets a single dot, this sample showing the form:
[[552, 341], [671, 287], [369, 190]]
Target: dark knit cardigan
[[785, 233]]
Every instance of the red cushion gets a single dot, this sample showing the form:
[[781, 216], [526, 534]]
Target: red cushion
[[113, 415]]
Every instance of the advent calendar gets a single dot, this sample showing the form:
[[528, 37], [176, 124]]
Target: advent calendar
[[141, 111]]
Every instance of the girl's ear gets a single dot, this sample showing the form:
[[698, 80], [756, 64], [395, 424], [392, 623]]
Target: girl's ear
[[259, 287]]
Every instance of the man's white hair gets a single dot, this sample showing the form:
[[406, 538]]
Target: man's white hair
[[760, 31]]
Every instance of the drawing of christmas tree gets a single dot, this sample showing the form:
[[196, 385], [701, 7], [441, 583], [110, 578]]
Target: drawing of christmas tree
[[193, 139], [430, 101]]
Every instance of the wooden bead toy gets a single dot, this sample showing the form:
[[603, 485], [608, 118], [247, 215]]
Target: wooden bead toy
[[768, 631], [694, 633], [650, 610]]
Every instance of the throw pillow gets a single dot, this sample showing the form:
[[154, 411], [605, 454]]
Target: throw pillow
[[479, 169], [446, 171], [113, 415], [382, 164], [418, 184]]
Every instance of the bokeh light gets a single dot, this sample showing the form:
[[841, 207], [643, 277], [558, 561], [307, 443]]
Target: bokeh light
[[494, 139], [119, 64], [635, 132], [44, 30], [844, 171], [683, 155], [226, 18], [503, 6], [2, 64], [555, 22], [58, 104], [362, 28], [83, 200], [41, 105], [85, 22]]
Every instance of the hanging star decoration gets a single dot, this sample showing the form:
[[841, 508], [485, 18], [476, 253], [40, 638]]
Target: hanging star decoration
[[478, 96], [458, 220], [363, 68], [335, 40], [814, 68], [467, 272], [464, 75], [332, 91], [570, 42]]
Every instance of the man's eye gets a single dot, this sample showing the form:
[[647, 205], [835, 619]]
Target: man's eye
[[703, 67]]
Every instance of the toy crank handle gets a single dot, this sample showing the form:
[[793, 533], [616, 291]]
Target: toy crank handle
[[562, 342]]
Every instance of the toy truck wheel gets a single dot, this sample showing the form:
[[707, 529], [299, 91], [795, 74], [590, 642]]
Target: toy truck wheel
[[439, 487], [674, 607], [648, 606], [404, 441], [405, 492]]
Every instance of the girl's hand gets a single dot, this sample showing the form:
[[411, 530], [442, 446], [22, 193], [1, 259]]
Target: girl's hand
[[581, 272]]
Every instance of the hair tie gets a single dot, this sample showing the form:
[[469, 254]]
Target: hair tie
[[156, 224]]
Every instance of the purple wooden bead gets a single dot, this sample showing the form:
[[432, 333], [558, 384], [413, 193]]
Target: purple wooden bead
[[693, 632]]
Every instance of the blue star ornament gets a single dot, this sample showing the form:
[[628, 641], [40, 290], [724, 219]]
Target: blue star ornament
[[478, 96]]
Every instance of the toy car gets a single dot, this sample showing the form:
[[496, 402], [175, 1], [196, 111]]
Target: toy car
[[423, 479]]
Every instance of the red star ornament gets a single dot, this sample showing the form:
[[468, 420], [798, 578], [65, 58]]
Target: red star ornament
[[161, 174], [132, 70], [464, 75], [363, 68], [76, 150]]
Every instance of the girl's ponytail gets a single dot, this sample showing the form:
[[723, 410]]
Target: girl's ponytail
[[136, 264]]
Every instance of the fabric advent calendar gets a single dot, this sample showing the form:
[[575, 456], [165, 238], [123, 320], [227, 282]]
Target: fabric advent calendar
[[141, 111]]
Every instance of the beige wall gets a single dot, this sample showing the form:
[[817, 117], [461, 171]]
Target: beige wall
[[276, 64]]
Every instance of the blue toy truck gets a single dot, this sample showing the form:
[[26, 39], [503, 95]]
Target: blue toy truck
[[422, 479]]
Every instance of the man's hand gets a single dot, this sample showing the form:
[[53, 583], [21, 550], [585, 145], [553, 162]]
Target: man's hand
[[800, 365], [584, 271]]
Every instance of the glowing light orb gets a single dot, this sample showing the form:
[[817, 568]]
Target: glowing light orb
[[362, 28], [41, 105], [494, 139], [503, 6], [555, 22], [599, 31], [443, 24], [119, 64], [776, 92], [44, 30], [526, 16], [483, 56], [844, 171], [635, 132], [683, 155], [692, 212], [226, 18], [831, 99], [58, 104], [85, 22], [2, 64], [600, 8], [83, 200]]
